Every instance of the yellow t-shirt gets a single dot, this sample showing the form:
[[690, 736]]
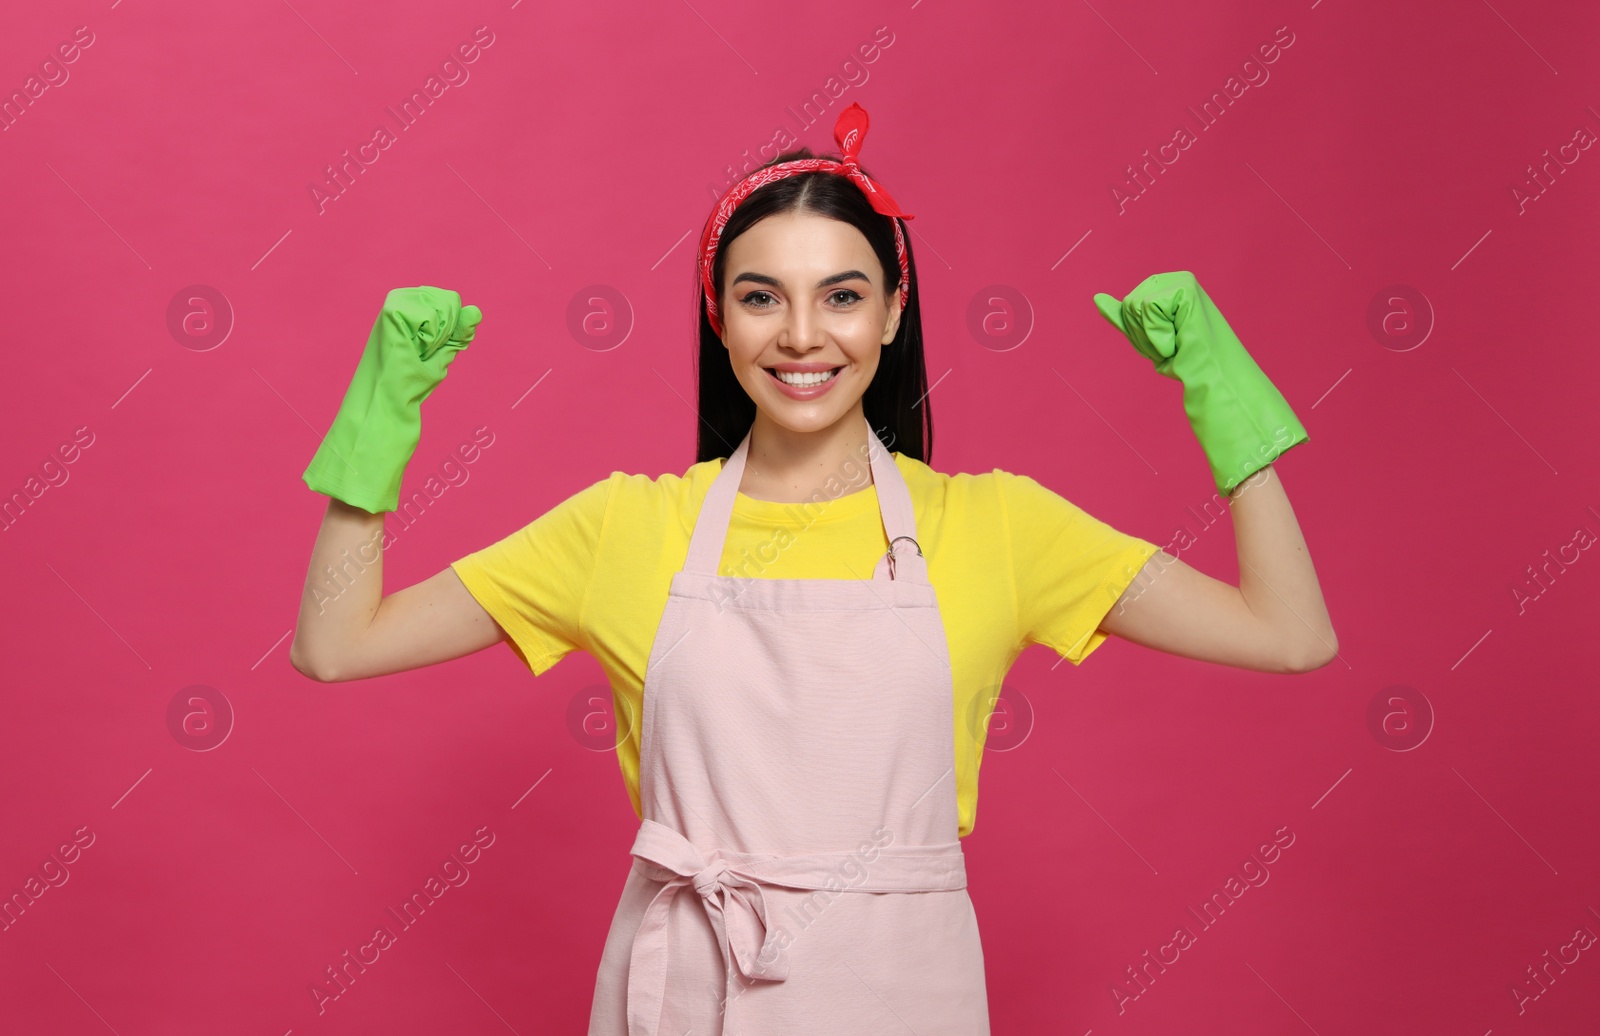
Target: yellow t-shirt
[[1012, 564]]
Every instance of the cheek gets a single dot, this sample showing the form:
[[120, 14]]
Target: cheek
[[868, 357], [868, 348], [743, 348]]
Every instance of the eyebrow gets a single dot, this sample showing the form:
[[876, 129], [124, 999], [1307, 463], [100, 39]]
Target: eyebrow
[[761, 278]]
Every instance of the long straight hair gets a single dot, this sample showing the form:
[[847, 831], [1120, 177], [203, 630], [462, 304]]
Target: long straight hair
[[896, 402]]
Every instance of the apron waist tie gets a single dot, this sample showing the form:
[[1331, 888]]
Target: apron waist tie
[[730, 887]]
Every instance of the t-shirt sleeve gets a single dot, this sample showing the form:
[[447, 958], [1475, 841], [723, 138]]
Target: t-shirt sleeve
[[1068, 567], [535, 581]]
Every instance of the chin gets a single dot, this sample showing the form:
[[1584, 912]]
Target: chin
[[802, 417], [804, 423]]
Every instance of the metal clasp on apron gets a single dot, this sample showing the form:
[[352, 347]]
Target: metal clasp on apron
[[889, 554]]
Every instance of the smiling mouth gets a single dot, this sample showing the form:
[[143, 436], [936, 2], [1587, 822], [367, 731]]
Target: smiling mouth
[[803, 380]]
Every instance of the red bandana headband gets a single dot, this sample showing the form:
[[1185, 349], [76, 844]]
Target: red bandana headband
[[848, 132]]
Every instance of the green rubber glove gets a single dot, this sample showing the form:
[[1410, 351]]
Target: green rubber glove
[[365, 452], [1241, 419]]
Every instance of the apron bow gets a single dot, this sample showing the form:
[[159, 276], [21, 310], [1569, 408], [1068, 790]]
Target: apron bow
[[733, 902]]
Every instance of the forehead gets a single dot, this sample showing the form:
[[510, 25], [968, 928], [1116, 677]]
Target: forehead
[[800, 241]]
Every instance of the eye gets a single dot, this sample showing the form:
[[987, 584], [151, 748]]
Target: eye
[[850, 296], [753, 294]]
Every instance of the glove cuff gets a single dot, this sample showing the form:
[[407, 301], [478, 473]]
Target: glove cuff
[[364, 455]]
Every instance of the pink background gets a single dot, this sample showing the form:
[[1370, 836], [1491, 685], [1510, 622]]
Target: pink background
[[1380, 148]]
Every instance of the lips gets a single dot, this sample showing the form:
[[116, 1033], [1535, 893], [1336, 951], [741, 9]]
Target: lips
[[806, 391], [804, 378]]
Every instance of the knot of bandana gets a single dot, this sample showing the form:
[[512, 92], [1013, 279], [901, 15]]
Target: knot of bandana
[[848, 132]]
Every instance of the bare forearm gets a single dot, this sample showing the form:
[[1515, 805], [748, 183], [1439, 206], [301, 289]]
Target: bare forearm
[[343, 588], [1276, 576]]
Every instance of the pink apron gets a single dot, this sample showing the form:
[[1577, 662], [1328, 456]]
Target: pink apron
[[798, 868]]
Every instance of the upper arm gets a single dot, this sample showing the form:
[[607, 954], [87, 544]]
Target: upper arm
[[1175, 608], [428, 622], [528, 589]]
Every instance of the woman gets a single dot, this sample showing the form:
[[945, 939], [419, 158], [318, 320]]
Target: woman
[[795, 693]]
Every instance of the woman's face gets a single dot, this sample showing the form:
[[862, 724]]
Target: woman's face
[[805, 291]]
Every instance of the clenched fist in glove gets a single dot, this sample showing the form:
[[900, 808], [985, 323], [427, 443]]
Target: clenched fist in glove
[[365, 452], [1241, 419]]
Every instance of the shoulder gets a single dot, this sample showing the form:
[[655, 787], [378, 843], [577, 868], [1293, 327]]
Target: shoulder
[[640, 489], [973, 490], [997, 502], [668, 484], [653, 499]]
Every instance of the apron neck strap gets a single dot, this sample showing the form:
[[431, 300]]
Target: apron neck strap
[[716, 511]]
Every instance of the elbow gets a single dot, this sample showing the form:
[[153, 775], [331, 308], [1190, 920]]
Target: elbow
[[321, 674], [1315, 655], [311, 668]]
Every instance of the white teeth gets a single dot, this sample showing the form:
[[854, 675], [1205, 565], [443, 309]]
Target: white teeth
[[803, 380]]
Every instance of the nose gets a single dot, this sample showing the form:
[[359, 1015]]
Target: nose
[[802, 330]]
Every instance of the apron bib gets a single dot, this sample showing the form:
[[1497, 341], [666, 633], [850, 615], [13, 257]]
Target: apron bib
[[797, 868]]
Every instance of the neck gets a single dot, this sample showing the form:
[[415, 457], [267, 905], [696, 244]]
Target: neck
[[786, 466]]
